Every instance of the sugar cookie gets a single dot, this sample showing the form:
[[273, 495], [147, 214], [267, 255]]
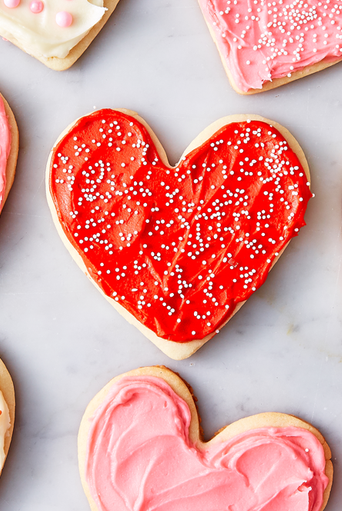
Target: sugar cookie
[[264, 45], [54, 32], [177, 250], [9, 147], [7, 412], [140, 447]]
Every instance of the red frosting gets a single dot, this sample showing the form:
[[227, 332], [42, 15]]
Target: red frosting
[[179, 247]]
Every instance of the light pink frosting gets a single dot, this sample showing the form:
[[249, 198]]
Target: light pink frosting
[[140, 458], [262, 40], [5, 147]]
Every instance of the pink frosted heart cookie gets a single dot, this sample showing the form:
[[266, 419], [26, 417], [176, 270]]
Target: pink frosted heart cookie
[[56, 32], [9, 147], [140, 447], [177, 250], [7, 412], [266, 44]]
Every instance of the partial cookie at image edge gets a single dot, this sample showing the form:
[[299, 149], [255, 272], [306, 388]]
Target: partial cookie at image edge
[[184, 391]]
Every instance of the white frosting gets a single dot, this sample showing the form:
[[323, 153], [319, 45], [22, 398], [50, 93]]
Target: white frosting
[[40, 35], [5, 423]]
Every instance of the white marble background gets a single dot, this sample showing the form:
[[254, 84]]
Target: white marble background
[[62, 341]]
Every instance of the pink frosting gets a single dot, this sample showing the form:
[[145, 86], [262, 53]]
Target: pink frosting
[[5, 147], [140, 458], [262, 40]]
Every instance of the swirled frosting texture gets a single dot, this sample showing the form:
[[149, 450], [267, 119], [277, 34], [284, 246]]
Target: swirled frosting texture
[[140, 458], [38, 31], [5, 147], [262, 40], [177, 248]]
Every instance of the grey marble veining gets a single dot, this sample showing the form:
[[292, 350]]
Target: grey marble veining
[[62, 341]]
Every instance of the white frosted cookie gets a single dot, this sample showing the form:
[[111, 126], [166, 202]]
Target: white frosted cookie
[[140, 447], [55, 32], [9, 147], [7, 412], [267, 44], [177, 250]]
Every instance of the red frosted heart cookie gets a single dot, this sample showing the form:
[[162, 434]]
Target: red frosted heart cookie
[[266, 44], [9, 147], [177, 250], [140, 448]]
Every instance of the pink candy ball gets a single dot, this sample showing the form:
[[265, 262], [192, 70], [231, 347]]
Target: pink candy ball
[[64, 19], [11, 4], [36, 6]]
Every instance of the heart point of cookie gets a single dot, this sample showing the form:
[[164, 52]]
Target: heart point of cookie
[[177, 250]]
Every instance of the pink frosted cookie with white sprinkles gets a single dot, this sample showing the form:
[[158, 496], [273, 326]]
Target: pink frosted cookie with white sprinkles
[[264, 44], [177, 250], [56, 32]]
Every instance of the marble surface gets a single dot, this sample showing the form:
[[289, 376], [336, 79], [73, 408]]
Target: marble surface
[[62, 341]]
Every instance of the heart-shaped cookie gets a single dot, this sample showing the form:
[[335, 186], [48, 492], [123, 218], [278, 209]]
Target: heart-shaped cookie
[[54, 32], [140, 449], [177, 250], [9, 147], [266, 44], [7, 412]]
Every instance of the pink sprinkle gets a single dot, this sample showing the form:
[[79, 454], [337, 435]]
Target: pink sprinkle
[[36, 6], [64, 19], [11, 4]]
